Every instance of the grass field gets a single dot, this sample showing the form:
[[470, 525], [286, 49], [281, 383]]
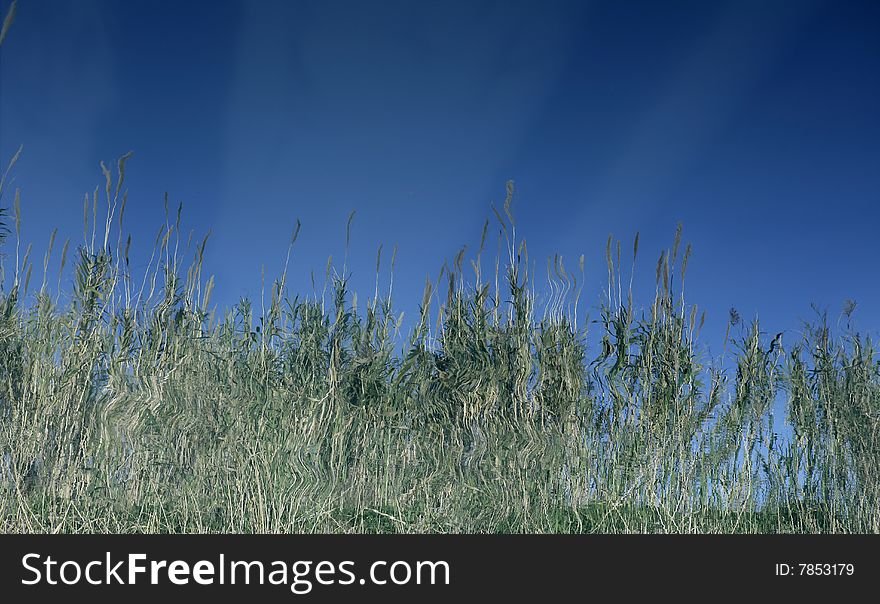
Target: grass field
[[134, 405], [131, 404]]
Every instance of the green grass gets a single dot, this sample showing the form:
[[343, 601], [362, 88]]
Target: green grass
[[134, 405]]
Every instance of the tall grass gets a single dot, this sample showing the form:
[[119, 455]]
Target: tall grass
[[134, 405]]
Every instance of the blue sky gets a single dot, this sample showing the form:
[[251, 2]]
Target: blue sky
[[755, 124]]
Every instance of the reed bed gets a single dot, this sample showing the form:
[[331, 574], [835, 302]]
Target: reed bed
[[135, 405]]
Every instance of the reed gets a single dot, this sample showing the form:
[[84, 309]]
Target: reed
[[135, 405]]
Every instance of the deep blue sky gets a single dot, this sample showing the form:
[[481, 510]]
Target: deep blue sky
[[756, 124]]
